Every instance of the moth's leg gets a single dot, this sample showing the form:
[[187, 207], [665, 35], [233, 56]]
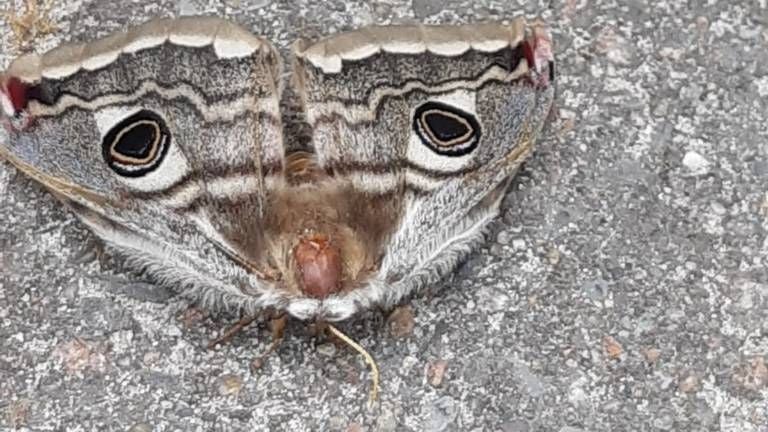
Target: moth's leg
[[277, 328], [232, 331]]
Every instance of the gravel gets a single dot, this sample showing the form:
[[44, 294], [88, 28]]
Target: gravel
[[625, 286]]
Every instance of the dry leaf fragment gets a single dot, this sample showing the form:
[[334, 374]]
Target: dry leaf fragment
[[191, 316], [612, 347], [401, 322], [229, 385], [354, 427], [754, 375], [30, 24], [78, 355], [689, 384], [436, 372], [553, 256], [18, 412], [651, 355], [764, 206]]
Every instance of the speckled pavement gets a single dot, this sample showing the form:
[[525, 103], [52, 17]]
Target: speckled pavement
[[625, 288]]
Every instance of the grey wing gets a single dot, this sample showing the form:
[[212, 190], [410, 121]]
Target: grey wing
[[165, 139], [437, 117]]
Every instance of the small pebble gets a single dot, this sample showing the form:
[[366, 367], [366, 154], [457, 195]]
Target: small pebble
[[651, 355], [436, 372], [689, 384], [140, 427], [327, 349], [229, 384], [696, 163]]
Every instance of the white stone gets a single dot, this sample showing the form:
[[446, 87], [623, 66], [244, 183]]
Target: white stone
[[696, 163], [762, 86]]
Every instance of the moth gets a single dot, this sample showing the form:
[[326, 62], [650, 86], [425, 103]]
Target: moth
[[166, 141]]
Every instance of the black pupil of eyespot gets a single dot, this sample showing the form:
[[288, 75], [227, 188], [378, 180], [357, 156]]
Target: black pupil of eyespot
[[445, 128], [137, 145], [138, 141]]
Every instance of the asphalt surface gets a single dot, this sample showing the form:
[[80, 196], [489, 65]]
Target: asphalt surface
[[624, 288]]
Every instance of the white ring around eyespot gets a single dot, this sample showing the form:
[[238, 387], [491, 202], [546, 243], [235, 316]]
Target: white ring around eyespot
[[171, 169], [421, 155]]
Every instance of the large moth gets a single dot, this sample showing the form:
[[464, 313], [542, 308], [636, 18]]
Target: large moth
[[166, 141]]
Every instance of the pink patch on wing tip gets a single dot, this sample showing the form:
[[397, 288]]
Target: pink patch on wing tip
[[13, 96], [537, 49], [529, 56], [543, 51]]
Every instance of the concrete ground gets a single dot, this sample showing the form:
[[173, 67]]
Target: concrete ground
[[624, 288]]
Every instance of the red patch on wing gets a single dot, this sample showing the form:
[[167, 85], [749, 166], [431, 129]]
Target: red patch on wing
[[16, 92], [528, 51], [537, 49], [14, 99]]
